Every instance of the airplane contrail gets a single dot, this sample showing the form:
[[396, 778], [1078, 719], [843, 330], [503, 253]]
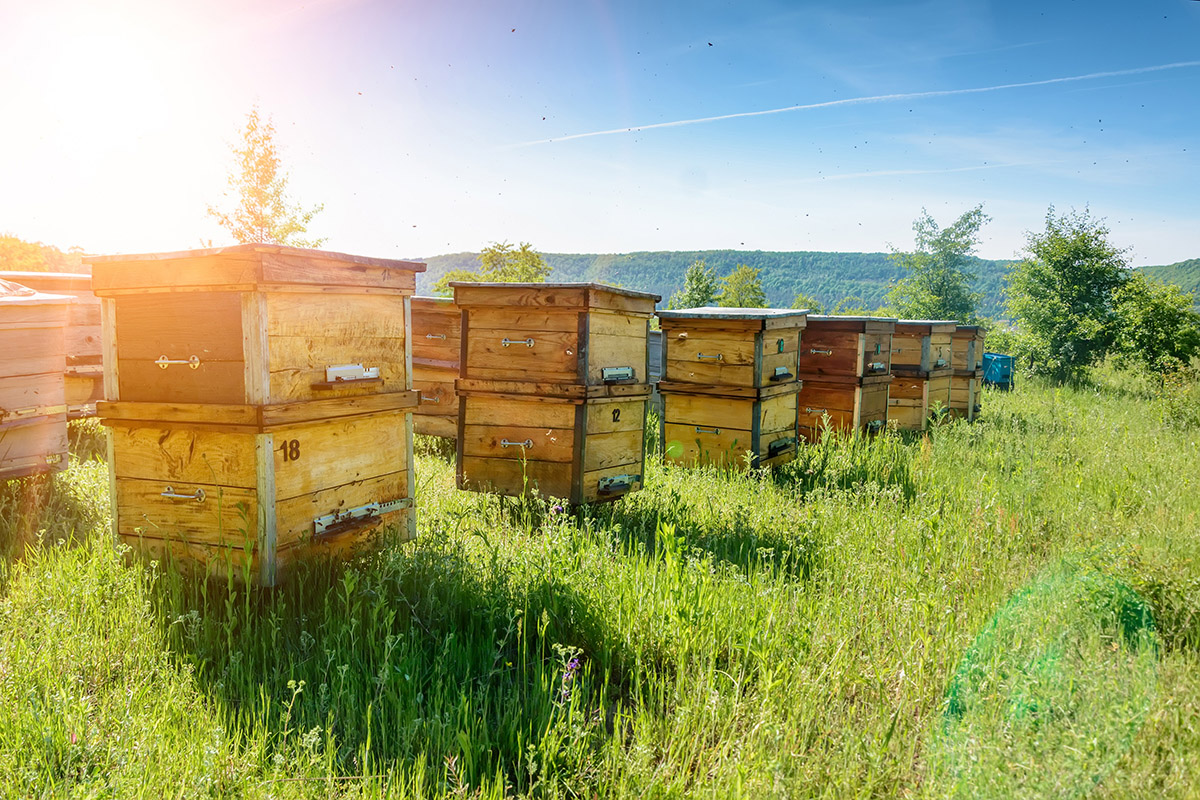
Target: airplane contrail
[[851, 101]]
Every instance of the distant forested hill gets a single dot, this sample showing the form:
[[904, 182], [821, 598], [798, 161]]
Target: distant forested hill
[[1184, 274], [828, 277]]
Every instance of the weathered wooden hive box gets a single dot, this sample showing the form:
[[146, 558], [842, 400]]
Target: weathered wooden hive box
[[84, 375], [846, 371], [259, 402], [33, 410], [553, 389], [729, 388], [436, 347], [967, 380], [922, 368]]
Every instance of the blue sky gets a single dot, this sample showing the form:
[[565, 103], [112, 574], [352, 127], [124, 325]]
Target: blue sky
[[597, 126]]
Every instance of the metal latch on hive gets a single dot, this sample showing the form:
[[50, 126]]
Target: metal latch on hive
[[340, 520]]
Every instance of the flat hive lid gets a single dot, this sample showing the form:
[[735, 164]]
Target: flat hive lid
[[552, 295], [838, 318], [720, 312], [53, 281], [246, 266], [926, 325], [16, 294]]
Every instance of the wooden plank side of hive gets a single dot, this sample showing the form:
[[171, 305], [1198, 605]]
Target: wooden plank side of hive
[[227, 516], [113, 278], [314, 457], [616, 339]]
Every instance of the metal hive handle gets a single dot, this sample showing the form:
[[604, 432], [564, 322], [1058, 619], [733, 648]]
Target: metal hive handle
[[425, 399], [717, 357], [171, 494], [817, 352], [164, 362], [505, 342], [507, 443], [707, 430], [441, 336], [808, 410]]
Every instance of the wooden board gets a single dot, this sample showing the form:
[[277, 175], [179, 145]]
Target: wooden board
[[706, 429], [34, 444], [510, 444], [261, 491], [858, 408], [699, 354]]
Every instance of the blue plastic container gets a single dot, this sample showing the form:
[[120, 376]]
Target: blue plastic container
[[998, 370]]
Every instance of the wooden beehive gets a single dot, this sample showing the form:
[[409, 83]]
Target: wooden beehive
[[436, 347], [845, 370], [745, 347], [33, 410], [922, 368], [729, 387], [923, 347], [84, 374], [730, 426], [967, 380], [912, 399], [259, 401], [552, 398]]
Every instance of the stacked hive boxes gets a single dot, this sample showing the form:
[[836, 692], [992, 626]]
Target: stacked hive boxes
[[436, 345], [729, 386], [921, 366], [553, 392], [845, 369], [259, 401], [967, 381], [84, 376], [33, 410]]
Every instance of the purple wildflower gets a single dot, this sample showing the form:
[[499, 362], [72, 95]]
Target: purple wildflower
[[568, 678]]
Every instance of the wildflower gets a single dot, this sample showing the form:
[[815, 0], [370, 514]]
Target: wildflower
[[558, 509], [568, 677]]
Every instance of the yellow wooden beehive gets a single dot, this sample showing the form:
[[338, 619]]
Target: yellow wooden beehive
[[730, 388], [553, 393], [33, 410], [846, 372], [436, 346], [966, 383], [922, 369], [259, 402], [84, 374]]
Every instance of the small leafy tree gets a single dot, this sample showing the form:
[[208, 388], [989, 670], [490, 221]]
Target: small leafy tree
[[699, 288], [18, 255], [1062, 295], [937, 280], [851, 306], [803, 300], [742, 289], [500, 262], [262, 211], [1158, 329]]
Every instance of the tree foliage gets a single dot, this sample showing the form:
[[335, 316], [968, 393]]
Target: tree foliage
[[262, 211], [18, 255], [1062, 295], [1158, 328], [742, 288], [937, 274], [825, 277], [801, 301], [699, 287], [500, 262]]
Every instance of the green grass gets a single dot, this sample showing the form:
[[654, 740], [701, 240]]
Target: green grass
[[1010, 608]]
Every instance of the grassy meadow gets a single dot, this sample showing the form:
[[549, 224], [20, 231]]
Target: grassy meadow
[[1004, 609]]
